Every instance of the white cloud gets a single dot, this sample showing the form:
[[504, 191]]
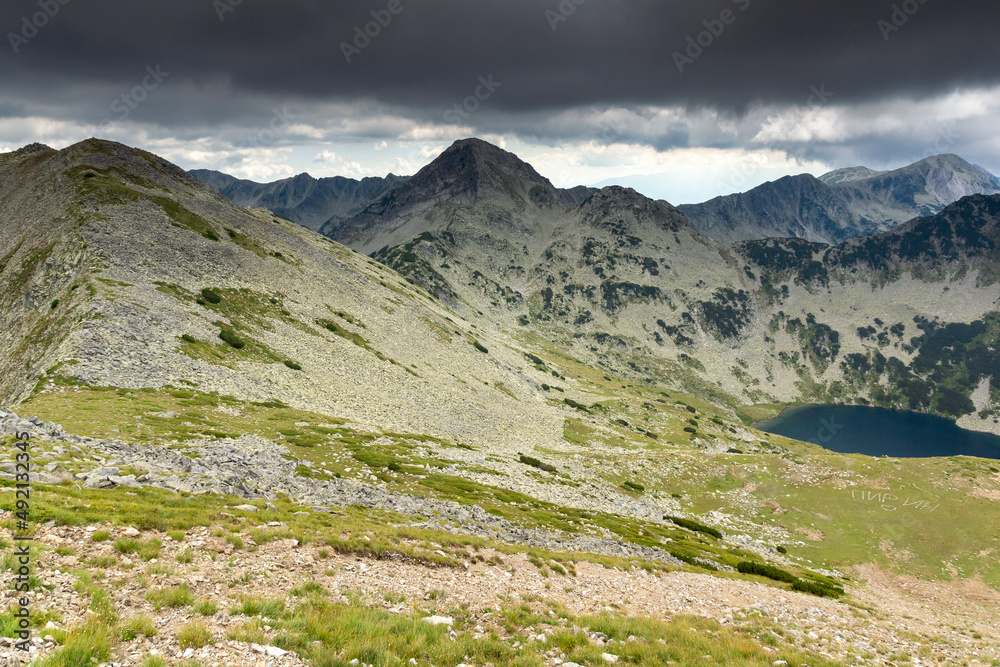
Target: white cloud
[[670, 152], [911, 120], [683, 175], [53, 132], [802, 125]]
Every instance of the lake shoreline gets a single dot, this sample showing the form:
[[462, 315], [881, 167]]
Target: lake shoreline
[[969, 422], [784, 413], [876, 431]]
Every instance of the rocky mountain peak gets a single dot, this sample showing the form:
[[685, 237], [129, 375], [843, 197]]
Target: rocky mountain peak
[[849, 174], [33, 148], [616, 197], [477, 168], [303, 179], [617, 193], [619, 204], [946, 161], [471, 173]]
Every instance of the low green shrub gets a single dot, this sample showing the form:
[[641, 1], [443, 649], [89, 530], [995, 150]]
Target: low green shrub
[[271, 608], [206, 607], [211, 296], [690, 524], [178, 596], [817, 589], [146, 549], [136, 626], [535, 463], [765, 570], [87, 644], [229, 336]]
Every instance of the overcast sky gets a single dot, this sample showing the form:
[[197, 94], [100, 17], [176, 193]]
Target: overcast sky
[[682, 100]]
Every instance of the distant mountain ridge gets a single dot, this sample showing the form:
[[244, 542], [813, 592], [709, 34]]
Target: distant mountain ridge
[[856, 301], [309, 201], [841, 204], [993, 177]]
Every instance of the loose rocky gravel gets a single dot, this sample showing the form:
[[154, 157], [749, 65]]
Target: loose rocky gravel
[[932, 624]]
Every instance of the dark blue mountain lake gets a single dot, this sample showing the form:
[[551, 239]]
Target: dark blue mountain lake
[[852, 429]]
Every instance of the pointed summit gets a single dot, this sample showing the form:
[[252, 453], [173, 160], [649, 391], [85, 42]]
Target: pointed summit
[[477, 170], [470, 173]]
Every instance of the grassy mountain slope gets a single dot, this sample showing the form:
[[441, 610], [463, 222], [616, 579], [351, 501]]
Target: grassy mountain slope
[[109, 254]]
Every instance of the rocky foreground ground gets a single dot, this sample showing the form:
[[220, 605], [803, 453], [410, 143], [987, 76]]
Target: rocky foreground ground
[[916, 622], [886, 618]]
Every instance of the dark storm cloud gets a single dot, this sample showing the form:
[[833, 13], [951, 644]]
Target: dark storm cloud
[[430, 54]]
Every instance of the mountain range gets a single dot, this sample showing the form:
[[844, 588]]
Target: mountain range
[[308, 201], [618, 280], [843, 203], [831, 208], [631, 284], [481, 364]]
